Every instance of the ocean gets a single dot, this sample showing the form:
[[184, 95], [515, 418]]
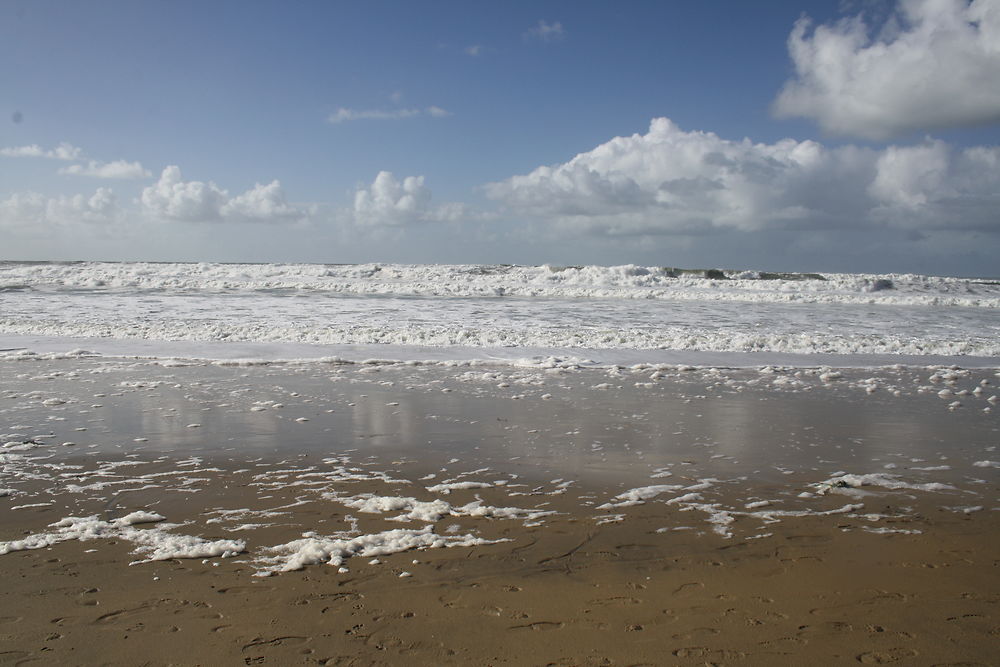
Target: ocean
[[619, 314]]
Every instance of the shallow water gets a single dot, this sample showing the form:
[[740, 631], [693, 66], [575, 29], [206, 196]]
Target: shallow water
[[81, 431]]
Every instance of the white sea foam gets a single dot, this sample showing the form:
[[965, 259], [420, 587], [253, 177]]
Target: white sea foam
[[626, 281], [447, 488], [639, 495], [334, 550], [434, 510], [594, 308], [847, 483], [153, 543]]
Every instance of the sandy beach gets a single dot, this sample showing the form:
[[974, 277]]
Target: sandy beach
[[537, 515], [562, 334]]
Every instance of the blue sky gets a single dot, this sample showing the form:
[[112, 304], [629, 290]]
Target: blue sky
[[855, 136]]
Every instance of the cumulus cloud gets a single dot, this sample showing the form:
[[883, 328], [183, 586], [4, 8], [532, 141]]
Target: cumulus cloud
[[669, 181], [172, 198], [63, 151], [391, 203], [545, 31], [343, 115], [934, 186], [33, 210], [935, 64], [176, 199], [261, 202], [117, 169]]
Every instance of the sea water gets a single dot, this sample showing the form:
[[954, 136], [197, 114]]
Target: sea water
[[427, 395], [471, 308]]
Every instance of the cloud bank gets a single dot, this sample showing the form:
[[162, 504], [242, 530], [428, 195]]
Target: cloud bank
[[172, 198], [669, 181], [391, 203], [63, 151], [935, 64], [117, 169], [35, 212]]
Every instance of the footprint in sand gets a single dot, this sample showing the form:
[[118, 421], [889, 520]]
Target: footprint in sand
[[830, 627], [784, 643], [118, 615], [245, 589], [538, 625], [885, 596], [689, 587], [965, 618], [291, 640], [341, 596], [887, 656], [697, 633], [880, 630], [618, 601], [703, 652]]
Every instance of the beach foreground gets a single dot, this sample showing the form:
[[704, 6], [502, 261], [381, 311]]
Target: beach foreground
[[543, 514]]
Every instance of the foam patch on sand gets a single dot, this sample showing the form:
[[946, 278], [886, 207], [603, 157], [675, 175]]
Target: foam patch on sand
[[334, 550], [153, 543], [434, 510], [456, 486], [848, 483], [640, 495]]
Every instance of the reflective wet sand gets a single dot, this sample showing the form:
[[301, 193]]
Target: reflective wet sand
[[664, 516]]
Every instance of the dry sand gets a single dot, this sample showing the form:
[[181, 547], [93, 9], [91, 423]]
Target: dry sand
[[660, 586]]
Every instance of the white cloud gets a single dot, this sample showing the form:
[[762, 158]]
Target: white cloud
[[437, 112], [116, 169], [669, 181], [343, 115], [391, 203], [474, 50], [172, 198], [63, 151], [545, 31], [175, 199], [32, 210], [261, 202], [934, 186], [935, 64]]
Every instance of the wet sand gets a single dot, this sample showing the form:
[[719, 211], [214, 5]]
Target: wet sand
[[764, 567]]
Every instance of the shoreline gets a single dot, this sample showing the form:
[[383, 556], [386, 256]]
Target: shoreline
[[648, 516], [287, 352]]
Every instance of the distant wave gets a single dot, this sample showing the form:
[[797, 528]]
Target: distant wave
[[467, 280], [672, 338]]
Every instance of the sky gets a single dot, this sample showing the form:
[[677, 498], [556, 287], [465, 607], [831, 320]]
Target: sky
[[809, 135]]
